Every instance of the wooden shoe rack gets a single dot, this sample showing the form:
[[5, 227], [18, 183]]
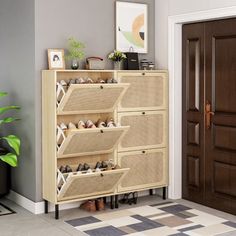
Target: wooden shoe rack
[[138, 102]]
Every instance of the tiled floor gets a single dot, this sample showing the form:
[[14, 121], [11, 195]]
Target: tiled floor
[[26, 224]]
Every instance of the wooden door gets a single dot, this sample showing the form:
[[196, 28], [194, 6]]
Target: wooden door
[[211, 163]]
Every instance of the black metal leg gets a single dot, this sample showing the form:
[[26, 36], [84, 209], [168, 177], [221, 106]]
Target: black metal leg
[[56, 212], [150, 192], [105, 200], [45, 206], [164, 193], [112, 202], [116, 201]]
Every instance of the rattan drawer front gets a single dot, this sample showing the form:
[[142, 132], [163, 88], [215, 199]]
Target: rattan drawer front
[[147, 170], [91, 141], [87, 185], [147, 130], [146, 92], [91, 98]]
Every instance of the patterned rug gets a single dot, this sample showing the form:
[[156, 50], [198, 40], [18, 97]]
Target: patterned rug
[[156, 220], [4, 210]]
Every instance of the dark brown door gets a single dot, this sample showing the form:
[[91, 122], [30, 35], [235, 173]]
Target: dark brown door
[[209, 114]]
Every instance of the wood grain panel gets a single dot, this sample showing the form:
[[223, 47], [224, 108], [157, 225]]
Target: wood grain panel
[[225, 137], [193, 133], [193, 74], [193, 171]]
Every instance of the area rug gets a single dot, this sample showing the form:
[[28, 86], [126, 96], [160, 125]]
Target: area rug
[[155, 220], [4, 210]]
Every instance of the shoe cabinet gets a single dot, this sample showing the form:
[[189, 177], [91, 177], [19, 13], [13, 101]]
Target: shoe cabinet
[[144, 148], [79, 102], [138, 103]]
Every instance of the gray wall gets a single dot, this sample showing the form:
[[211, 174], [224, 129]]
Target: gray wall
[[17, 73], [165, 8], [90, 21]]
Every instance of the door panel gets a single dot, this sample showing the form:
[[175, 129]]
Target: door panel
[[193, 112], [209, 114], [220, 139]]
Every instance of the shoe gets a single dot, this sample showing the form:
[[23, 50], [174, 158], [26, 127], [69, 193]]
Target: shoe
[[86, 167], [100, 206], [98, 165], [68, 169], [100, 124], [80, 81], [90, 125], [71, 126], [72, 81], [81, 125], [104, 165], [63, 126], [89, 206], [89, 81], [110, 123], [80, 167], [62, 170], [101, 81]]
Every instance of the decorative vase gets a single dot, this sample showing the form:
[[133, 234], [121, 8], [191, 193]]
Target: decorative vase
[[117, 65], [74, 64]]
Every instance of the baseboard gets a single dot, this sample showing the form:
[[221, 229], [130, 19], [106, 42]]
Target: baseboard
[[38, 207]]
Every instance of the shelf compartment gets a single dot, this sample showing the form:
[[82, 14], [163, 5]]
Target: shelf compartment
[[148, 169], [91, 141], [147, 91], [91, 98], [147, 130], [91, 184]]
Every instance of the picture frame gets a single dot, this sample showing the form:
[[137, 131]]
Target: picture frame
[[131, 27], [56, 59]]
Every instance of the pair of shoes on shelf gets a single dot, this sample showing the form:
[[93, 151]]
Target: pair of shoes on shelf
[[84, 167], [111, 81], [109, 123], [65, 169], [93, 205], [80, 81], [103, 166]]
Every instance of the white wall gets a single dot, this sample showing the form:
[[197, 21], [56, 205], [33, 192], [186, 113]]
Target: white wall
[[165, 8]]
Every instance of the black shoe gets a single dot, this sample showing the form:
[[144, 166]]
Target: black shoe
[[68, 169], [104, 165], [62, 169], [80, 167], [98, 165], [86, 167]]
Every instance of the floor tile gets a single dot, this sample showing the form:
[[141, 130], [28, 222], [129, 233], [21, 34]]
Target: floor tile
[[83, 221], [173, 221], [106, 231], [123, 221]]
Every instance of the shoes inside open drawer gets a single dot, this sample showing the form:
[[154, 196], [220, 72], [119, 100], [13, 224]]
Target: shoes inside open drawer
[[91, 141], [91, 184], [91, 98]]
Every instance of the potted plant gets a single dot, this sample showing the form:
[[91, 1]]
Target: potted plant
[[75, 52], [9, 149], [117, 57]]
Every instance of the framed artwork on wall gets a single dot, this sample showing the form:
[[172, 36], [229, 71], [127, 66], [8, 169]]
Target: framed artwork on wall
[[56, 60], [131, 27]]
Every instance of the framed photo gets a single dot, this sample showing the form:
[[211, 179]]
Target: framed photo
[[131, 27], [56, 60]]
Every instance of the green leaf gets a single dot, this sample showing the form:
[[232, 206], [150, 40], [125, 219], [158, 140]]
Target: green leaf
[[3, 94], [8, 120], [10, 159], [4, 109], [14, 142]]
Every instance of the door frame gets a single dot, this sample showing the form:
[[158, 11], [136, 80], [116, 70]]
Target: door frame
[[175, 88]]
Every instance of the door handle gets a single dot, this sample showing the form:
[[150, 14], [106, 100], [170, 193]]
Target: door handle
[[209, 114]]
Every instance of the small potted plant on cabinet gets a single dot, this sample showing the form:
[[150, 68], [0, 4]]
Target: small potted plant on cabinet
[[75, 52], [9, 149], [117, 57]]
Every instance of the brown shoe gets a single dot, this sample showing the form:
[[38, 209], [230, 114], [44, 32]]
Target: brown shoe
[[100, 204], [88, 206]]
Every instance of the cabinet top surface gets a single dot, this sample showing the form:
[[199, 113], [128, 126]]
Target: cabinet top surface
[[111, 71]]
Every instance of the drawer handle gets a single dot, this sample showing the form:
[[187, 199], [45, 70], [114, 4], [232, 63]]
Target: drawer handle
[[101, 87], [143, 73], [102, 131], [143, 152], [102, 175], [144, 113]]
